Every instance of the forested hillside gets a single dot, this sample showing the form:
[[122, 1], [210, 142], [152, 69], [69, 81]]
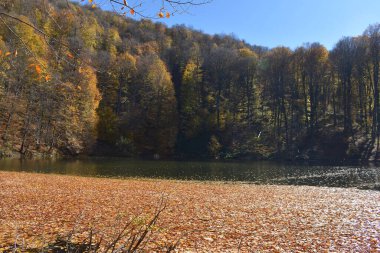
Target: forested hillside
[[92, 82]]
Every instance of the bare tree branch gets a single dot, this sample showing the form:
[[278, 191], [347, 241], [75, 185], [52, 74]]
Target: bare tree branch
[[174, 6]]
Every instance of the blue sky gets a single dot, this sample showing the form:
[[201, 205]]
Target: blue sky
[[283, 22]]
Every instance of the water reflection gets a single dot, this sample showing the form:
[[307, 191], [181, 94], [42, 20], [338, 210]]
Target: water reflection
[[256, 172]]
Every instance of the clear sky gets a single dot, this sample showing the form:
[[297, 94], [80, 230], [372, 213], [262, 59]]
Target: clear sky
[[283, 22]]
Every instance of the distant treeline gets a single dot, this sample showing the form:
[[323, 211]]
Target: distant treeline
[[85, 80]]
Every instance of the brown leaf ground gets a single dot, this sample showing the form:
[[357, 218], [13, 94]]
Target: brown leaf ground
[[211, 217]]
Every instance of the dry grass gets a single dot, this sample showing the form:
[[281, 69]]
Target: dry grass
[[211, 217]]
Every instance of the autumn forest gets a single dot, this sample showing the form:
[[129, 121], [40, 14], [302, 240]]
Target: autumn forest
[[79, 80], [124, 132]]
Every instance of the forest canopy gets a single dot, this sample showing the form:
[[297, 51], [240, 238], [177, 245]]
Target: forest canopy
[[81, 80]]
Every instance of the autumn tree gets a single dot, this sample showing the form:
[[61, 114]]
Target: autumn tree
[[218, 64], [343, 57], [153, 116], [316, 67], [373, 35], [278, 75]]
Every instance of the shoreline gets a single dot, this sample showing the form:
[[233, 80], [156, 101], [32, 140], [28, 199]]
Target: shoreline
[[196, 181], [280, 160]]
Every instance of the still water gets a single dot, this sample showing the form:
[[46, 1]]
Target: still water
[[367, 177]]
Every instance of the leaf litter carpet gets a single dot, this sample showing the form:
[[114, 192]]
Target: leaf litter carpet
[[207, 216]]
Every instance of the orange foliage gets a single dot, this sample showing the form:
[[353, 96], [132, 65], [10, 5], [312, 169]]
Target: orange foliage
[[38, 69], [70, 55]]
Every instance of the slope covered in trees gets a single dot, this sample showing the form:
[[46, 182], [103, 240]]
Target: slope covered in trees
[[89, 81]]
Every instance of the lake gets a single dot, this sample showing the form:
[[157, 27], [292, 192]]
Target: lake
[[367, 177]]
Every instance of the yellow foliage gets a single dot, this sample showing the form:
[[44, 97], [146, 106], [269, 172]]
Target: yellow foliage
[[72, 108], [246, 52], [35, 43]]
